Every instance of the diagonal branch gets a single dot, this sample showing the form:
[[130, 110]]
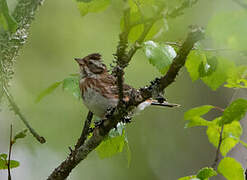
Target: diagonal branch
[[64, 169]]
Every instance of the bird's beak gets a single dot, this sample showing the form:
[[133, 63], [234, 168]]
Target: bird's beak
[[79, 60]]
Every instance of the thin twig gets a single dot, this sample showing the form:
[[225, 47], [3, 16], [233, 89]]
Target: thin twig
[[217, 156], [17, 111], [219, 108], [85, 130], [10, 149]]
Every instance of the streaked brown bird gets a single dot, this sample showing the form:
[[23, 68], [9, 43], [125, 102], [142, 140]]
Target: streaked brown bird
[[99, 88]]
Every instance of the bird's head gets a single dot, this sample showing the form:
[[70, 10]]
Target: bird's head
[[91, 65]]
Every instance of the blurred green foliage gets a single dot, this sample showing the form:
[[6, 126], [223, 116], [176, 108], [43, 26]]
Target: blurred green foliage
[[160, 146]]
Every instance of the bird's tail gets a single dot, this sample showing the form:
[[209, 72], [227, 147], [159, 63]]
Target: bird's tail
[[165, 103], [149, 102]]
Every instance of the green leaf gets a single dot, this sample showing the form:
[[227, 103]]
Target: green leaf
[[230, 136], [3, 156], [13, 164], [228, 29], [157, 29], [4, 162], [20, 135], [206, 173], [193, 116], [237, 78], [215, 79], [235, 112], [211, 70], [86, 7], [197, 121], [197, 111], [6, 20], [71, 85], [161, 56], [231, 169], [114, 143], [47, 91], [135, 31], [194, 59]]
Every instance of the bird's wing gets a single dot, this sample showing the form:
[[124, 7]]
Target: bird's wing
[[111, 87]]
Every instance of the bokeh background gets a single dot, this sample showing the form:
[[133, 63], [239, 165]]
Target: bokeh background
[[161, 147]]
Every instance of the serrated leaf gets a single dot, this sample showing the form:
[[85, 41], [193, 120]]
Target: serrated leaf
[[20, 135], [161, 56], [71, 85], [230, 136], [231, 169], [206, 173], [6, 20], [92, 6], [194, 59], [227, 29], [220, 74], [237, 78], [235, 112], [47, 91]]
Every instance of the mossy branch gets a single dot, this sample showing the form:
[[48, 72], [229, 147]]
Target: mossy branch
[[10, 44]]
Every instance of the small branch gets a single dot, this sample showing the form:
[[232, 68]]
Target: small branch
[[219, 108], [10, 149], [85, 130], [218, 148], [20, 115]]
